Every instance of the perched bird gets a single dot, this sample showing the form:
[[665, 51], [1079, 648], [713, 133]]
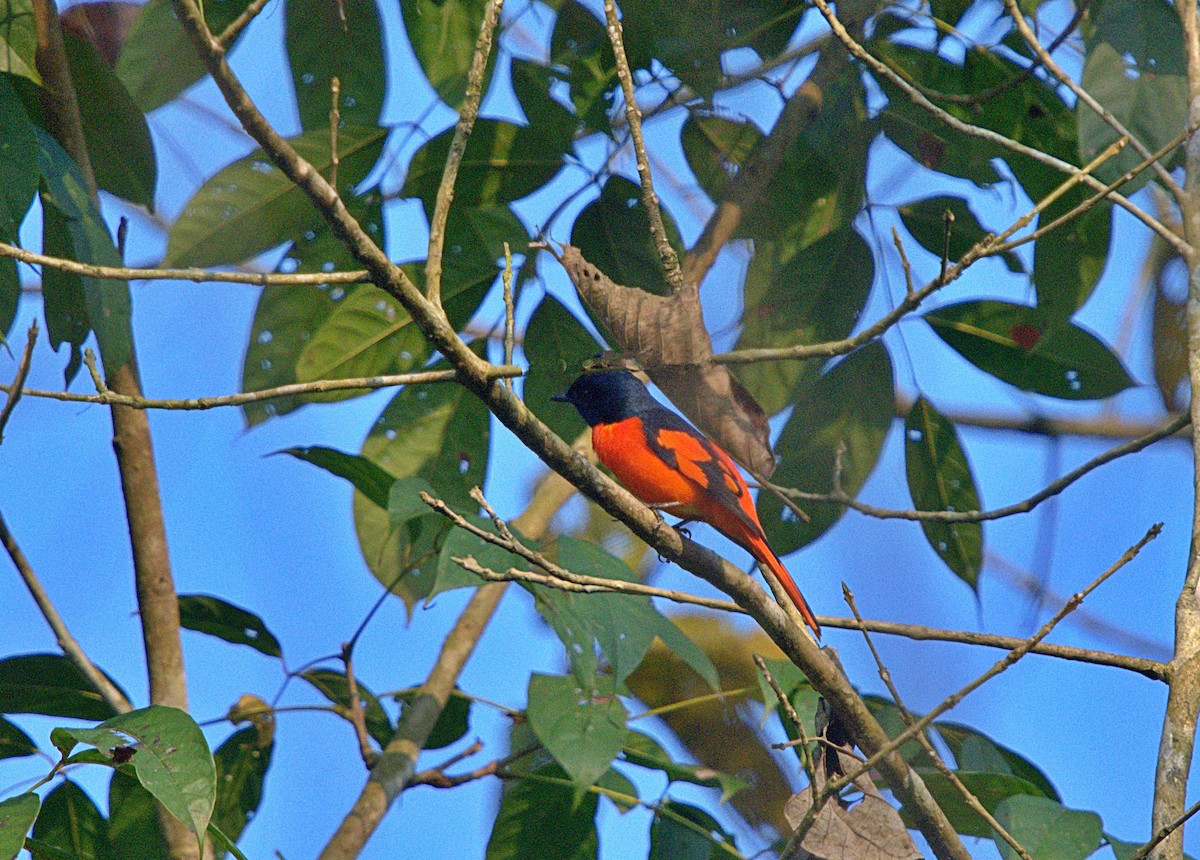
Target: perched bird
[[672, 466]]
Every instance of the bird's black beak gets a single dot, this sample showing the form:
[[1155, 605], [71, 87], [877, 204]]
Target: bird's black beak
[[561, 397]]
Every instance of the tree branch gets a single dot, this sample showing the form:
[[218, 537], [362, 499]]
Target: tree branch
[[69, 644], [17, 388]]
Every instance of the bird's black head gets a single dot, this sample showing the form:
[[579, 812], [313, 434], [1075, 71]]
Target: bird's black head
[[608, 396]]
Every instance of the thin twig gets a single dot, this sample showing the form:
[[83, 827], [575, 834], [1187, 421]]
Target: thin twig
[[108, 397], [335, 122], [1084, 97], [130, 273], [967, 795], [1050, 490], [1164, 832], [1004, 663], [357, 719], [510, 310], [458, 148], [785, 705], [955, 123], [239, 23], [667, 257], [16, 389], [70, 646]]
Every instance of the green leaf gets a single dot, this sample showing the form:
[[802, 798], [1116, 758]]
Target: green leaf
[[367, 334], [562, 611], [114, 127], [644, 751], [452, 723], [369, 479], [503, 162], [70, 822], [541, 816], [619, 789], [460, 543], [17, 814], [925, 220], [404, 500], [1067, 261], [1047, 830], [1136, 68], [14, 743], [334, 686], [49, 684], [580, 49], [991, 789], [975, 751], [940, 479], [613, 233], [792, 296], [74, 228], [439, 433], [158, 60], [171, 758], [249, 206], [18, 40], [556, 345], [288, 316], [342, 40], [672, 839], [216, 617], [1017, 345], [852, 404], [583, 732], [949, 11], [242, 764], [133, 821], [443, 35], [18, 158], [894, 723]]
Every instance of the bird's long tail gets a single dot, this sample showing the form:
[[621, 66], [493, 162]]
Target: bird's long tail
[[765, 556]]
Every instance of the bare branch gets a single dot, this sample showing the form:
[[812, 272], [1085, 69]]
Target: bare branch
[[16, 389], [458, 148], [633, 116]]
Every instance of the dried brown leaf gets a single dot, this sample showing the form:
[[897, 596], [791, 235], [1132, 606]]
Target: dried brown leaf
[[871, 830], [105, 25], [666, 335]]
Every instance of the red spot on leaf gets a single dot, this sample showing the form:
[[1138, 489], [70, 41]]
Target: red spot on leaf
[[1025, 335]]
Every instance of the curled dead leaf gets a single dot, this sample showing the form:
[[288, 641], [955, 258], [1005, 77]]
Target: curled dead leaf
[[870, 830], [666, 335]]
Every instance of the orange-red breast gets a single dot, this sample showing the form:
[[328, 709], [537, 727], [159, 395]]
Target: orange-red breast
[[669, 464]]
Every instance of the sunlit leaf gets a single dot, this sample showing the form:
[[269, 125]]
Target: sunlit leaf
[[249, 206], [287, 316], [541, 816], [939, 479], [169, 756], [443, 35], [991, 789], [851, 405], [437, 432], [216, 617], [793, 297], [18, 40], [1046, 829], [1017, 345], [344, 40], [49, 684], [584, 733], [556, 344]]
